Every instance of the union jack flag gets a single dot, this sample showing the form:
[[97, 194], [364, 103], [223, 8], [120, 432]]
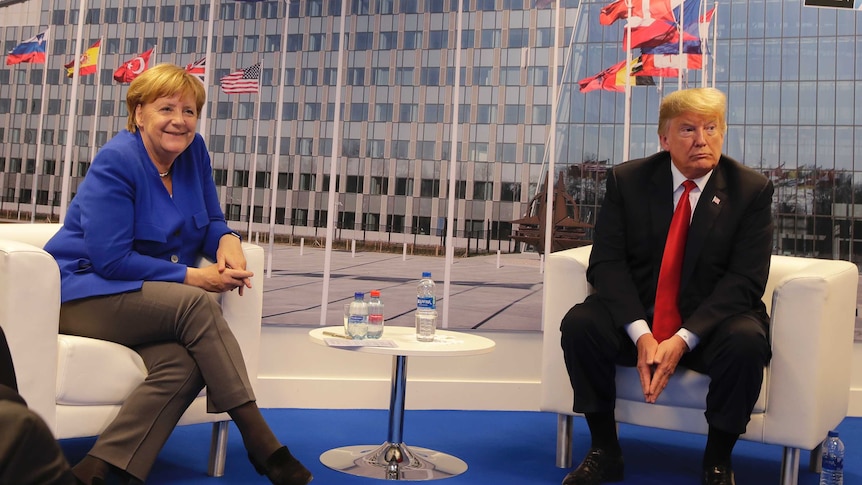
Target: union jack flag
[[198, 68]]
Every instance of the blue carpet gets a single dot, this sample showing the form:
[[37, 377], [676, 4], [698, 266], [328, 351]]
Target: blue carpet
[[500, 448]]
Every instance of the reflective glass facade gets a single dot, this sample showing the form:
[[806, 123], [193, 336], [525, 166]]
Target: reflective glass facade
[[789, 72]]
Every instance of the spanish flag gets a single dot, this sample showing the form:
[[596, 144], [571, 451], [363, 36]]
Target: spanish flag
[[88, 61]]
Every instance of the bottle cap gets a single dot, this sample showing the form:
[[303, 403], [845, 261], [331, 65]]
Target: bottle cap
[[375, 293], [833, 433], [359, 295], [426, 274]]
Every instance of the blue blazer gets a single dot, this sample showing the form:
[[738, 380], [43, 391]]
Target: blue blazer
[[123, 227]]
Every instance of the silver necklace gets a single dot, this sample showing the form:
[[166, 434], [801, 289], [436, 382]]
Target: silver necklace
[[165, 174]]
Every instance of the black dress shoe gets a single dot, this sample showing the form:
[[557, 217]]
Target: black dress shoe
[[598, 466], [282, 468], [718, 475]]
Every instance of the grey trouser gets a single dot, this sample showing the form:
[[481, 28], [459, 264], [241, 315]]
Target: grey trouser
[[185, 343]]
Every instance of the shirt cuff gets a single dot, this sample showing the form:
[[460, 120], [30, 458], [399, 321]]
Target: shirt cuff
[[689, 338], [637, 329]]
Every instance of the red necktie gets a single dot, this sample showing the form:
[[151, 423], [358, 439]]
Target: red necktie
[[666, 319]]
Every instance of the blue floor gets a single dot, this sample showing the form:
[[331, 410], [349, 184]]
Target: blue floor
[[500, 448]]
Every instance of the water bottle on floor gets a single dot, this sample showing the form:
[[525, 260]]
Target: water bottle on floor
[[832, 460], [357, 320], [426, 309], [375, 315]]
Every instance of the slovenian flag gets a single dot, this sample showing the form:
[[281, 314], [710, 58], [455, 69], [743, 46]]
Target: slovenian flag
[[31, 50]]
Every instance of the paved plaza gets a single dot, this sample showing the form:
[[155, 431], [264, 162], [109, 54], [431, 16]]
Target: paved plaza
[[482, 295]]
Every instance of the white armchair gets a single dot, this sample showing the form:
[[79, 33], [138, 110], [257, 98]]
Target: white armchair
[[78, 384], [806, 389]]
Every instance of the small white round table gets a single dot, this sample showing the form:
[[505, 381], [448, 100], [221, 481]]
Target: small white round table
[[394, 460]]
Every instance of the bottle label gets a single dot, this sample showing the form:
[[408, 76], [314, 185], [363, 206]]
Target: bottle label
[[425, 302], [356, 319], [375, 319]]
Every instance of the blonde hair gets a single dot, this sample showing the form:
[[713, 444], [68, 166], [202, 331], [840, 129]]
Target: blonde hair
[[700, 101], [160, 81]]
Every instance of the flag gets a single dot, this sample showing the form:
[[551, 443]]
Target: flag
[[87, 64], [644, 12], [667, 65], [638, 78], [663, 37], [242, 81], [31, 50], [613, 12], [198, 68], [614, 78], [131, 69]]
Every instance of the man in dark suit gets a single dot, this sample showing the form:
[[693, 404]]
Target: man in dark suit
[[29, 454], [721, 323]]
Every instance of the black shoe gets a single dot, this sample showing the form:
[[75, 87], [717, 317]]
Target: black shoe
[[598, 466], [718, 475], [283, 469]]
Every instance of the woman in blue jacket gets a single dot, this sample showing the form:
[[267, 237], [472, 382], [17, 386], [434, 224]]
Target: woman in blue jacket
[[143, 214]]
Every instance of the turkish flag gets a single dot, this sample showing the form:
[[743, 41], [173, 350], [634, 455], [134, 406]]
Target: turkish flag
[[131, 69]]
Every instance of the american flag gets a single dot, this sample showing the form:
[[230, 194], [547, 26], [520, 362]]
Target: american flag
[[242, 81], [198, 68]]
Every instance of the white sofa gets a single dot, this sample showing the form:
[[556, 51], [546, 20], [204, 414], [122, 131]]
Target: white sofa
[[78, 384], [806, 389]]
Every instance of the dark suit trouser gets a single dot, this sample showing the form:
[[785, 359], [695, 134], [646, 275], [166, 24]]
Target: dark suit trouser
[[185, 343], [733, 356]]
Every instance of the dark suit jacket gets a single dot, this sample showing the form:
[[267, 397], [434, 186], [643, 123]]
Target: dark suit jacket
[[727, 252]]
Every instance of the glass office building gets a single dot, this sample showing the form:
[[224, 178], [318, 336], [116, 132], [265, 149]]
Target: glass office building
[[789, 71]]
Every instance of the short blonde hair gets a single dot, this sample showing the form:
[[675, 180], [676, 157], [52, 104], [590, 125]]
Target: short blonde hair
[[701, 101], [160, 81]]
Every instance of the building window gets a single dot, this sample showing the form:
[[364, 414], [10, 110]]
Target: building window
[[148, 14], [483, 190], [307, 181], [167, 13], [379, 185], [404, 186], [220, 176], [240, 178], [429, 188], [387, 40], [383, 112]]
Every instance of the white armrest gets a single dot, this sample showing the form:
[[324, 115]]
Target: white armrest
[[565, 285], [29, 315], [813, 316]]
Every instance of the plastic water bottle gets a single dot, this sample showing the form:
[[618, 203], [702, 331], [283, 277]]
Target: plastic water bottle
[[357, 320], [832, 460], [426, 309], [375, 315]]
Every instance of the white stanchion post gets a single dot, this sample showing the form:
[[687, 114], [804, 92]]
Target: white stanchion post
[[404, 253], [498, 259], [542, 264], [301, 245], [353, 248]]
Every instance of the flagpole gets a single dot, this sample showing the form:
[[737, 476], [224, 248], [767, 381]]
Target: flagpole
[[253, 176], [330, 204], [39, 146], [714, 41], [552, 140], [279, 109], [704, 45], [453, 168], [681, 29], [73, 107], [98, 100], [207, 77], [628, 101]]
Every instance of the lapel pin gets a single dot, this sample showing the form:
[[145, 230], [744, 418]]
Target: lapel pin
[[716, 200]]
